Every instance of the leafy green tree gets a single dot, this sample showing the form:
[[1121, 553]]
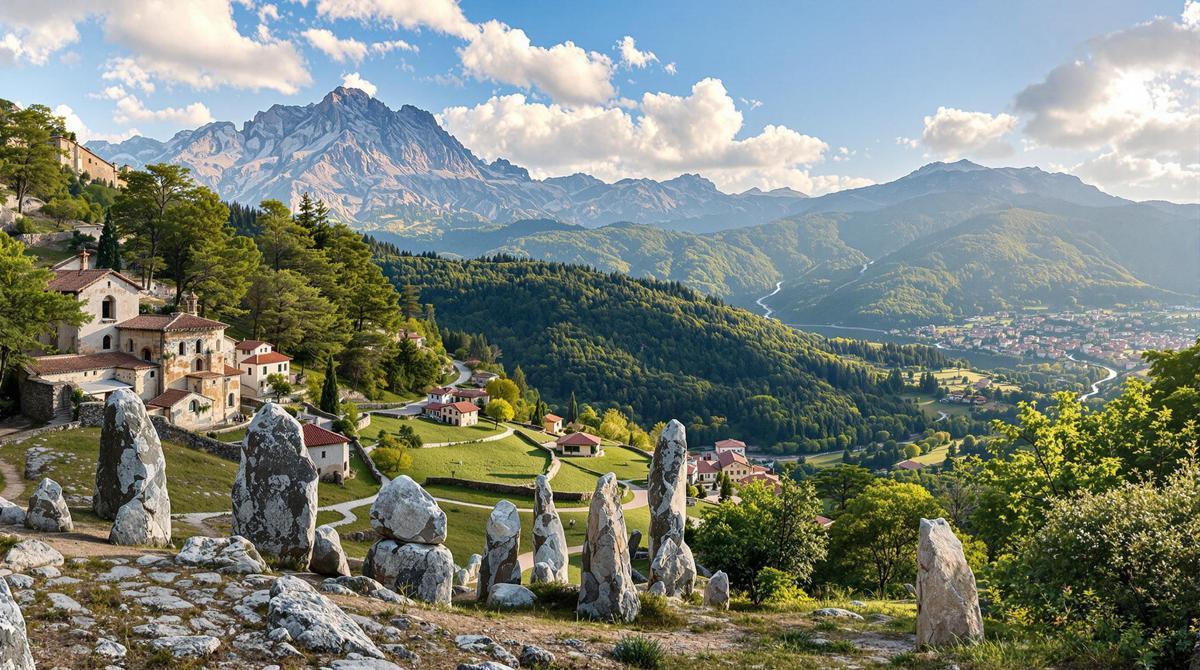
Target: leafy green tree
[[726, 489], [392, 461], [285, 244], [29, 163], [279, 384], [573, 410], [765, 530], [411, 298], [314, 218], [504, 389], [151, 208], [221, 269], [330, 398], [1175, 384], [108, 251], [499, 410], [840, 483], [30, 308], [518, 378]]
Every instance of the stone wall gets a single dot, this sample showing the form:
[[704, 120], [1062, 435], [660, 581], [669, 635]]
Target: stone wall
[[555, 464], [91, 413], [42, 239], [366, 458], [34, 432], [167, 431], [514, 489], [41, 399]]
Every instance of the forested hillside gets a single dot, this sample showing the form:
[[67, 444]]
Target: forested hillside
[[660, 350]]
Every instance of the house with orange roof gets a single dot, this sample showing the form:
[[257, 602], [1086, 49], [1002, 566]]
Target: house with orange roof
[[552, 423], [257, 360], [578, 444], [460, 413], [329, 451]]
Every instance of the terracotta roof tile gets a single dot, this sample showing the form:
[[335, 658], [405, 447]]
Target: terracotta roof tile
[[272, 357], [316, 436], [169, 398], [168, 322], [52, 365], [249, 345], [578, 440], [73, 281]]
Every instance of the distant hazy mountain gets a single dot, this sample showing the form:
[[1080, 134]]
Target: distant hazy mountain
[[399, 170]]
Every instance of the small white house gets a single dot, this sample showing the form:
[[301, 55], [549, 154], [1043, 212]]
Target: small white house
[[258, 360], [441, 394], [329, 451]]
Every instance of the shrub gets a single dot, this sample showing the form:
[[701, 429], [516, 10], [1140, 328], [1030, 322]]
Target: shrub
[[556, 595], [392, 460], [776, 587], [656, 612], [639, 651], [1118, 568]]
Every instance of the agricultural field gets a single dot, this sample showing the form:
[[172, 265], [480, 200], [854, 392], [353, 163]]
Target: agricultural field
[[508, 461], [952, 379]]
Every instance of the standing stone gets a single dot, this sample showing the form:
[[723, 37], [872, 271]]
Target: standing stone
[[421, 571], [131, 475], [947, 602], [14, 642], [275, 493], [606, 590], [549, 539], [48, 510], [716, 593], [406, 512], [667, 493], [502, 543], [635, 543], [328, 557], [470, 572]]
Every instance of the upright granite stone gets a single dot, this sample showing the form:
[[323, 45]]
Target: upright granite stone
[[667, 493], [502, 543], [14, 642], [716, 593], [48, 510], [275, 493], [549, 539], [131, 474], [947, 602], [421, 571], [328, 557], [606, 589], [405, 512], [635, 543]]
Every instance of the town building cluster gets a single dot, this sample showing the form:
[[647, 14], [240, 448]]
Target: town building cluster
[[727, 457]]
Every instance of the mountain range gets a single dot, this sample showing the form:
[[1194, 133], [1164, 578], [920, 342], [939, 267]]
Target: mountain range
[[947, 241]]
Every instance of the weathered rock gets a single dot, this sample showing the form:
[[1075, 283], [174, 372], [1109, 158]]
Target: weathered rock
[[421, 571], [472, 567], [14, 642], [542, 572], [533, 656], [606, 589], [716, 592], [11, 514], [187, 646], [328, 557], [48, 510], [314, 622], [674, 568], [667, 496], [29, 554], [131, 474], [635, 542], [486, 665], [36, 460], [837, 613], [510, 596], [502, 543], [275, 493], [947, 601], [405, 512], [226, 554], [549, 539]]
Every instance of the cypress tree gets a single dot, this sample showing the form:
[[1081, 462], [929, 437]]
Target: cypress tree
[[108, 249], [573, 411], [329, 389]]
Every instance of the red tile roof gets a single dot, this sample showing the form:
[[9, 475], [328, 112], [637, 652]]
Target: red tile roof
[[728, 458], [910, 465], [705, 467], [249, 345], [73, 281], [316, 436], [441, 390], [732, 444], [823, 521], [272, 357], [578, 440], [231, 371], [53, 365], [205, 374], [165, 322], [169, 398], [552, 418], [461, 407], [470, 393]]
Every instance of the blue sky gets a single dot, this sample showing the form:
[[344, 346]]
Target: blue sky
[[816, 96]]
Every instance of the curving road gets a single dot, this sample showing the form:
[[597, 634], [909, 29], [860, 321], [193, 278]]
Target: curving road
[[413, 408]]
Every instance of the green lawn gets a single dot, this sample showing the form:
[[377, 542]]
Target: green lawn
[[430, 431], [934, 457], [626, 463], [824, 460], [232, 436], [384, 395], [571, 478], [49, 255], [362, 485], [509, 461]]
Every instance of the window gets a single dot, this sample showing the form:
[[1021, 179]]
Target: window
[[145, 353], [199, 346], [152, 374], [108, 308], [106, 343], [322, 453], [198, 365], [194, 406], [129, 347], [182, 348], [230, 402], [264, 370], [249, 371]]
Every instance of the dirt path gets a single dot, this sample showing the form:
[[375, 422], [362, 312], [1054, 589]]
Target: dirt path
[[13, 484]]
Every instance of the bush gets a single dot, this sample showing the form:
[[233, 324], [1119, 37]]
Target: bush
[[392, 460], [556, 595], [1118, 568], [776, 587], [25, 226], [656, 612], [640, 652]]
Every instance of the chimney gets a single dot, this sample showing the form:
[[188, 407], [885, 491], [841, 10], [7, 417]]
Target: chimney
[[192, 303], [83, 259]]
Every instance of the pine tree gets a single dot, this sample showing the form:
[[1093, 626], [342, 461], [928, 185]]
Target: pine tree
[[573, 412], [411, 301], [329, 389], [518, 378], [108, 249]]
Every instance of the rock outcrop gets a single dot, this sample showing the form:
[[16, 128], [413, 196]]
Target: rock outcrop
[[275, 493], [14, 640], [226, 554], [510, 596], [549, 539], [667, 494], [947, 601], [421, 571], [47, 510], [131, 474], [11, 514], [328, 557], [716, 592], [405, 512], [29, 555], [502, 543], [314, 622], [606, 588]]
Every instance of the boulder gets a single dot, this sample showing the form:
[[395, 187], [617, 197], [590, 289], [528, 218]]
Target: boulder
[[667, 497], [48, 510], [36, 460], [421, 571], [29, 555], [606, 588], [674, 568], [328, 557], [542, 572], [275, 492], [502, 543], [405, 512], [226, 554], [510, 596], [314, 622], [549, 539], [186, 646], [716, 592], [11, 514], [837, 613], [14, 642], [131, 475], [533, 656], [947, 601]]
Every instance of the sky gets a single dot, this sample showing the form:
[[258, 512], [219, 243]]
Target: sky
[[813, 96]]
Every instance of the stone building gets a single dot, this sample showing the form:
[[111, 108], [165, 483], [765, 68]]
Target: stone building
[[79, 159], [109, 296]]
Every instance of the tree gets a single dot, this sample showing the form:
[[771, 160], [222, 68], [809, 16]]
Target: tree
[[499, 410], [279, 384], [726, 491], [518, 378], [391, 460], [877, 535], [149, 210], [330, 400], [108, 250], [841, 483], [221, 269], [411, 301], [766, 530], [29, 162], [573, 410], [504, 389]]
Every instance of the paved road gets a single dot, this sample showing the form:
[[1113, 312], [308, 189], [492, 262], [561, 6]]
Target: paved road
[[413, 408]]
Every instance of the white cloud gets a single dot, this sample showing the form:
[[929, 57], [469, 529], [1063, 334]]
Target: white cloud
[[337, 48], [35, 30], [85, 134], [664, 136], [751, 103], [444, 16], [126, 71], [354, 80], [1143, 178], [130, 109], [631, 57], [565, 71], [393, 45], [670, 69], [955, 133]]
